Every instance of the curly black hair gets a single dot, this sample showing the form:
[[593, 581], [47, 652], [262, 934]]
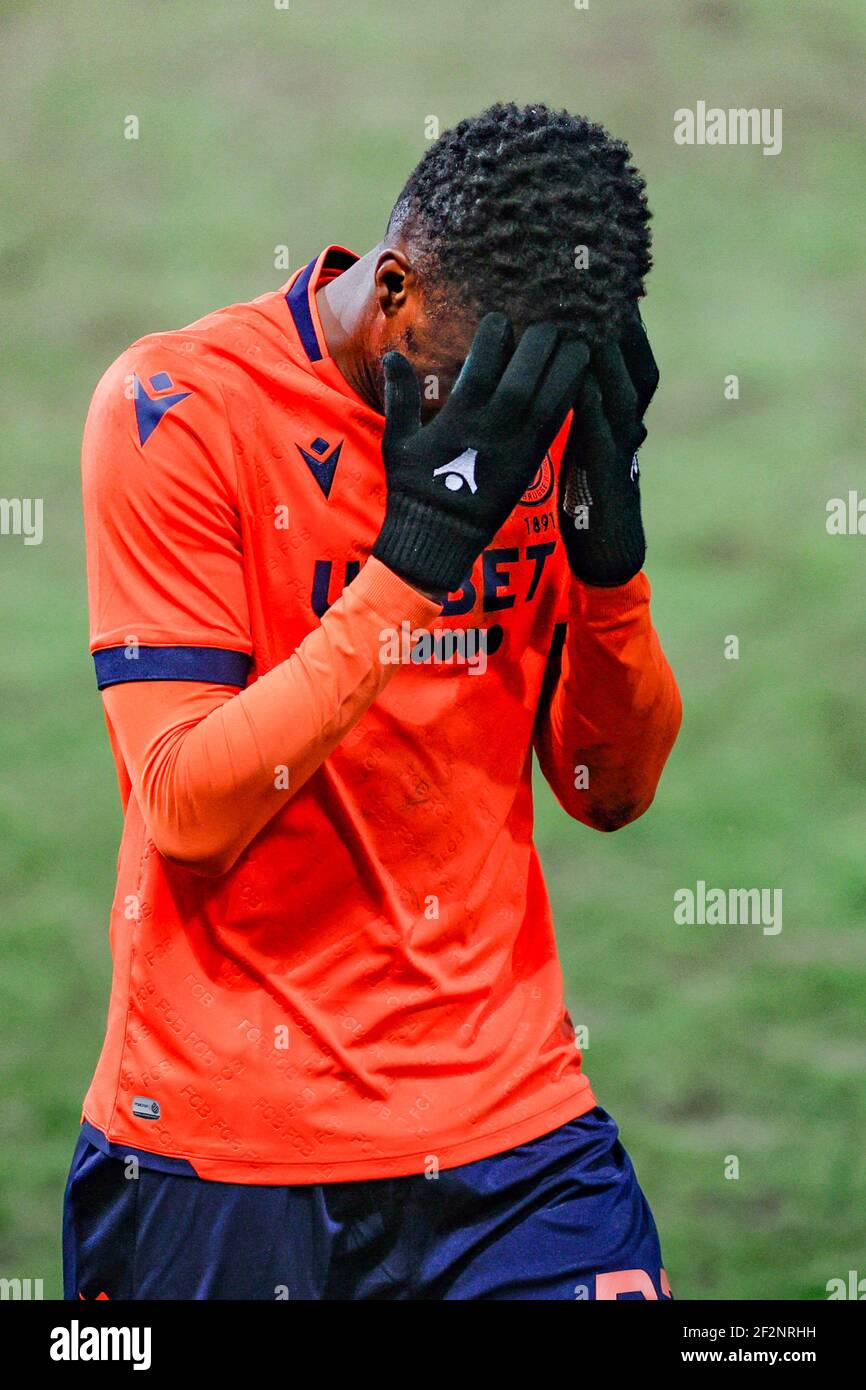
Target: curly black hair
[[498, 207]]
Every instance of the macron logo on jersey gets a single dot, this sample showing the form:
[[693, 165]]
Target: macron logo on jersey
[[459, 471], [149, 410], [322, 465]]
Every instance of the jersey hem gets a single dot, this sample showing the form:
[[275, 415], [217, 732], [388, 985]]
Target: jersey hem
[[276, 1174]]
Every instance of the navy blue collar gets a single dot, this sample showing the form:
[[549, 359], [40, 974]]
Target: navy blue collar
[[335, 259]]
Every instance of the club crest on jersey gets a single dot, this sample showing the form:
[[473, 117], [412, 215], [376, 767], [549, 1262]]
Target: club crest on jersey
[[322, 465], [541, 486], [149, 410], [459, 471]]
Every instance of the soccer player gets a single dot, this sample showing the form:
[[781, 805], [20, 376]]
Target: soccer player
[[356, 550]]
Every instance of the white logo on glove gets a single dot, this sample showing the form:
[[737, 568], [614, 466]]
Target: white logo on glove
[[459, 471]]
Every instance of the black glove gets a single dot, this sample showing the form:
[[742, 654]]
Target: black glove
[[452, 483], [599, 495]]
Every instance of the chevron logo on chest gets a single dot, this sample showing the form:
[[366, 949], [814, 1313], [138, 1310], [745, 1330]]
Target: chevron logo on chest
[[322, 465]]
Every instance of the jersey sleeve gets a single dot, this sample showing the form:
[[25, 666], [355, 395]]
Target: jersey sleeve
[[202, 758], [611, 709], [164, 561]]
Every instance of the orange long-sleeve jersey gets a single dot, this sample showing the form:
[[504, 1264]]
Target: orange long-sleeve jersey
[[333, 950]]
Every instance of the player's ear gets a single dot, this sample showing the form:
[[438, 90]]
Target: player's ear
[[395, 282]]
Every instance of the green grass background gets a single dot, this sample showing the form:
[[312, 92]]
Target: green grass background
[[261, 127]]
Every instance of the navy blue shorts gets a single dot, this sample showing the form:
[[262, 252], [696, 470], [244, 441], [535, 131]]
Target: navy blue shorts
[[561, 1217]]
